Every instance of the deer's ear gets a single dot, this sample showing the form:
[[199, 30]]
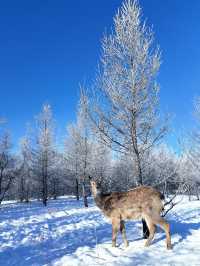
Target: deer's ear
[[90, 178]]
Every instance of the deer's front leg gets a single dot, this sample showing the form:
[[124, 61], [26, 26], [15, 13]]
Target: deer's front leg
[[115, 229], [123, 232]]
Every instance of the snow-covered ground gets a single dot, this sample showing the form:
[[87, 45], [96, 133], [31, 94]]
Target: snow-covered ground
[[65, 233]]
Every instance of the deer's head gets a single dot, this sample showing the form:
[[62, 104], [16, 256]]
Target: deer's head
[[95, 186]]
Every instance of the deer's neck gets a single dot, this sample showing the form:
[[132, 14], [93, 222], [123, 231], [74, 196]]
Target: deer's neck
[[99, 199]]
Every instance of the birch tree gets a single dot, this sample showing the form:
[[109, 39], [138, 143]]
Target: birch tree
[[124, 100]]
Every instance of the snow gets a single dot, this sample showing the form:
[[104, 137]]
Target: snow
[[67, 234]]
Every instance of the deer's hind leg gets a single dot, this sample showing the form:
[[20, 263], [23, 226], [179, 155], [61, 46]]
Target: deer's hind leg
[[115, 229], [152, 228], [166, 227], [123, 232]]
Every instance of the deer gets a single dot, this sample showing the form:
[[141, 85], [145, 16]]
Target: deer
[[143, 202]]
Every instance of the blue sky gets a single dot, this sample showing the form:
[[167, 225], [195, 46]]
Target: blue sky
[[48, 47]]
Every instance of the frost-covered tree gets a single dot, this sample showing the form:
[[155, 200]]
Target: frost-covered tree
[[124, 100], [194, 151], [7, 165], [78, 149], [188, 175], [43, 153], [122, 174], [192, 166], [57, 176], [71, 154], [30, 176], [161, 167], [25, 178], [101, 164], [101, 159]]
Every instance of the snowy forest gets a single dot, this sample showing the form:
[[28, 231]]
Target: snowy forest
[[120, 137], [42, 170]]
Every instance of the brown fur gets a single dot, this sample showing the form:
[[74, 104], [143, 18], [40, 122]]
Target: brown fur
[[140, 203]]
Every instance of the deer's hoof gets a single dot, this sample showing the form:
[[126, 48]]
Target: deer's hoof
[[113, 244], [169, 246], [147, 244], [126, 244]]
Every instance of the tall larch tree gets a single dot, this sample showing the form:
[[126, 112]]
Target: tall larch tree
[[124, 99], [44, 150]]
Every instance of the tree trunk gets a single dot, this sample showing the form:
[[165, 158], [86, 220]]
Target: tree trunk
[[21, 190], [6, 189], [84, 195], [140, 178], [165, 188], [85, 201], [27, 195], [54, 188], [189, 192], [44, 190], [77, 189], [197, 191], [1, 178], [145, 230], [45, 166], [45, 202]]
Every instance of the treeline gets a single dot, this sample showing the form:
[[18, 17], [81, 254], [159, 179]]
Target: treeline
[[41, 171]]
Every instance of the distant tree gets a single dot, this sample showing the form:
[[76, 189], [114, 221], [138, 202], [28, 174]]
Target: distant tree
[[124, 100], [72, 155], [57, 176], [192, 168], [78, 149], [25, 177], [101, 163], [161, 167], [43, 153], [30, 179], [7, 165]]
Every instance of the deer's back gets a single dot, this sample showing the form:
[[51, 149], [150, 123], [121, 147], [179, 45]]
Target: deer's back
[[133, 204]]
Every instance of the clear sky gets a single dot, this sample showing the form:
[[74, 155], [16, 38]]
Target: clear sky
[[48, 47]]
